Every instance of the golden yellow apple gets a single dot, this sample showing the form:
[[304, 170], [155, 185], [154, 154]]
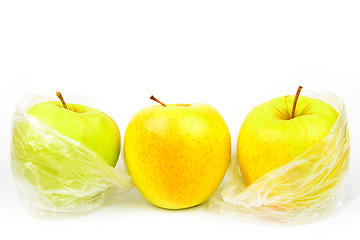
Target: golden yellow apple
[[270, 136], [177, 154]]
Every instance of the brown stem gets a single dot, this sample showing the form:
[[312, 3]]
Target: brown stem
[[58, 94], [295, 101], [156, 100]]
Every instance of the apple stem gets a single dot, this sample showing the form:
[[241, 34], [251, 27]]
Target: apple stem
[[58, 94], [156, 100], [295, 101]]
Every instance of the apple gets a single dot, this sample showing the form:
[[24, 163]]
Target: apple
[[177, 154], [276, 132], [86, 125], [63, 151]]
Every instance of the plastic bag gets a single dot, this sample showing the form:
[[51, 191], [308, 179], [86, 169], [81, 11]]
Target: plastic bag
[[301, 191], [55, 173]]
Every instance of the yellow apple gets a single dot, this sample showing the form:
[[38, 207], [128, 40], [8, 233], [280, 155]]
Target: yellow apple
[[270, 137], [177, 154]]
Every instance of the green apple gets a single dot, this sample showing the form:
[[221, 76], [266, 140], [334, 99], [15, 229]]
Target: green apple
[[64, 153], [86, 125], [276, 132], [177, 154]]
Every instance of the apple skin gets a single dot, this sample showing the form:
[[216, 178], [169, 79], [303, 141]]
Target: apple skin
[[177, 155], [269, 139], [56, 173], [86, 125]]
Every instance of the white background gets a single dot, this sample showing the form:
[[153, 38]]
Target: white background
[[233, 55]]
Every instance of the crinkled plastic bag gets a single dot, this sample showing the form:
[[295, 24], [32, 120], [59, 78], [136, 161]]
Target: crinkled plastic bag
[[55, 173], [301, 191]]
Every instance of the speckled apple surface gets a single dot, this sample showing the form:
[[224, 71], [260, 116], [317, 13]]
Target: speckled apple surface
[[269, 138], [177, 155]]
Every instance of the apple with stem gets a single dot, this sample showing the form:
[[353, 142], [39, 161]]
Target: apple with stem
[[64, 154], [276, 132], [86, 125], [177, 154]]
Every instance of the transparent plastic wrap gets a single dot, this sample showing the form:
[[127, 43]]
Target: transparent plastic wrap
[[54, 173], [301, 191]]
